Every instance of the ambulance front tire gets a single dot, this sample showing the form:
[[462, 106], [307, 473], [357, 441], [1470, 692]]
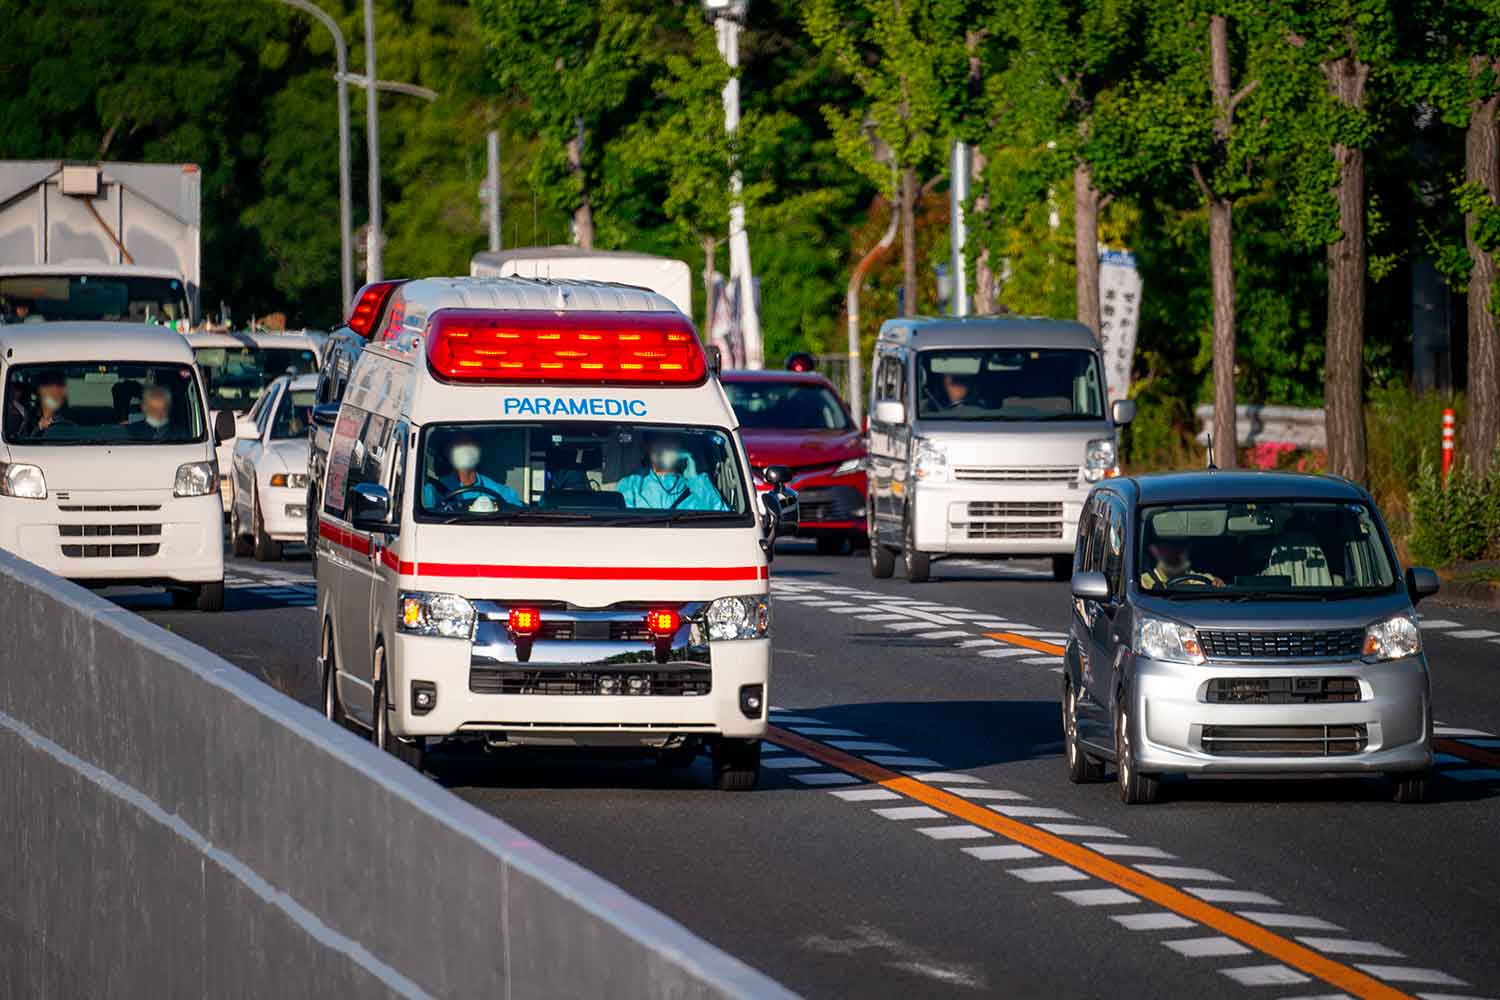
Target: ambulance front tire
[[267, 549], [736, 764]]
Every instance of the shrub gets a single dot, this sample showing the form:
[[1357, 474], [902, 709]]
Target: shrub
[[1455, 522]]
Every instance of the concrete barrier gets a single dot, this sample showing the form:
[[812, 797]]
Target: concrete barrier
[[172, 827]]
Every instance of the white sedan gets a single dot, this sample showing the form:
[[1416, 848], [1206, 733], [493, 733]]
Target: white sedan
[[268, 472]]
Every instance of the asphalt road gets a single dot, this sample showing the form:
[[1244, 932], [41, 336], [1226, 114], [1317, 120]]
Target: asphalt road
[[915, 834]]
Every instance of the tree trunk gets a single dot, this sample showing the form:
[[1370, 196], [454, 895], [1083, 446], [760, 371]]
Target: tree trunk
[[710, 252], [1343, 365], [1482, 167], [1221, 263], [583, 213], [1086, 246], [909, 241], [984, 275]]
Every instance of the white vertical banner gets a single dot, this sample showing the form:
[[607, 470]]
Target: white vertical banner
[[1119, 317]]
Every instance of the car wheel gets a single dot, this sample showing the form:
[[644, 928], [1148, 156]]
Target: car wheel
[[834, 545], [1135, 788], [1412, 787], [736, 764], [1083, 767], [267, 549], [312, 529], [209, 596], [413, 750], [333, 709], [1062, 567], [183, 598], [882, 562], [918, 564], [239, 541]]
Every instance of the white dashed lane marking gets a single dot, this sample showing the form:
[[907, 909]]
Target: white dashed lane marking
[[1207, 947], [1098, 897], [1152, 921], [1265, 975], [1048, 873], [908, 812], [1001, 852], [958, 831]]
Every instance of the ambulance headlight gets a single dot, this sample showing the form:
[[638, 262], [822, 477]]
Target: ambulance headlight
[[196, 479], [739, 618], [23, 481], [447, 616]]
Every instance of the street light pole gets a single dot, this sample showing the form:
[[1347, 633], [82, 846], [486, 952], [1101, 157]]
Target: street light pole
[[373, 270], [346, 213], [729, 17]]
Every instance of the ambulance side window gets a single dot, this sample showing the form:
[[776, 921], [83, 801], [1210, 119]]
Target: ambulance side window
[[396, 470], [367, 458]]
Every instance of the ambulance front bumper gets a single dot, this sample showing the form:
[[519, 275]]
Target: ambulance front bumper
[[587, 679]]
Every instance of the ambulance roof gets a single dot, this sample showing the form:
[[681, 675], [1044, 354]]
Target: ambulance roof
[[34, 343], [420, 298]]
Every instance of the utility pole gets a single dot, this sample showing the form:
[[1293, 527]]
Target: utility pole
[[493, 149], [373, 269], [729, 18]]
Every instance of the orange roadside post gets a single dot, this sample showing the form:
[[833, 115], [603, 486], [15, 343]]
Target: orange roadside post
[[1447, 444]]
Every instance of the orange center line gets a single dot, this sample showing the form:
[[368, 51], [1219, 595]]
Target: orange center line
[[1298, 956], [1040, 645]]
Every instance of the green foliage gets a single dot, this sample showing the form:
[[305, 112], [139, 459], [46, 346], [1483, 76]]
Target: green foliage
[[1455, 522]]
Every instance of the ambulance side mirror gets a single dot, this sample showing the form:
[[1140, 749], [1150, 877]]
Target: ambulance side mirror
[[370, 507], [223, 426], [325, 414], [782, 509]]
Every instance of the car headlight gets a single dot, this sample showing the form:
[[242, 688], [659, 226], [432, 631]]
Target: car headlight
[[1393, 639], [1100, 459], [738, 618], [446, 615], [22, 481], [295, 480], [1163, 640], [930, 464], [849, 465], [196, 479]]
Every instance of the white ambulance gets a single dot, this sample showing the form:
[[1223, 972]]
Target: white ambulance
[[107, 468], [538, 527]]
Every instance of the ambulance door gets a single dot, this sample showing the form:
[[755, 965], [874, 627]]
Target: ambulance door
[[343, 557], [362, 573], [385, 546]]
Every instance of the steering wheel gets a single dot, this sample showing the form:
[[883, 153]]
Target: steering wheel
[[477, 488], [1200, 579]]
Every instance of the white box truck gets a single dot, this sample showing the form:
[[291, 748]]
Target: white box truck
[[100, 241], [669, 278]]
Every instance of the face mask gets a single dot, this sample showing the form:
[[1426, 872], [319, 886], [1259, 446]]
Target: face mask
[[666, 458], [51, 404], [464, 456], [1175, 567], [156, 423]]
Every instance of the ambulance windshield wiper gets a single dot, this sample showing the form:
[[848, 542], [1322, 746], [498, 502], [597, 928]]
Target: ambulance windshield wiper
[[670, 517], [509, 516]]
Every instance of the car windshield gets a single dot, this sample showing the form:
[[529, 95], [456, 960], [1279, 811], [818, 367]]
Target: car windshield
[[1009, 384], [293, 413], [1273, 548], [28, 298], [103, 402], [236, 376], [766, 405], [584, 472]]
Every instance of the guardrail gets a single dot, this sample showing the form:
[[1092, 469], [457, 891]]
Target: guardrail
[[1254, 424], [171, 826]]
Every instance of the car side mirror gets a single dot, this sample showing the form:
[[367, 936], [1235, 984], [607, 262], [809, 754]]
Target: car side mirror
[[1091, 585], [889, 411], [370, 507], [243, 429], [782, 509], [1123, 410], [1421, 582], [325, 414], [225, 426]]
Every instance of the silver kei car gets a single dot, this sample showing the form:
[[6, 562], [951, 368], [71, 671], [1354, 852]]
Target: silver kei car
[[1243, 623]]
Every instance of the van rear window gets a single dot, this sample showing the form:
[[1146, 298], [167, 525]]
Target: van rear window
[[103, 402]]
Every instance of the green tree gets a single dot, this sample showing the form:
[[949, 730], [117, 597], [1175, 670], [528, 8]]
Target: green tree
[[908, 60]]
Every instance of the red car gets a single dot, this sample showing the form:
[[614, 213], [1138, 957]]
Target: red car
[[797, 419]]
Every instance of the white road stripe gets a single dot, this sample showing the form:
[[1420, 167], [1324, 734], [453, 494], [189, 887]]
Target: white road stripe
[[908, 812], [958, 831], [1473, 633], [988, 793], [883, 618], [1439, 623], [845, 611], [826, 778], [1033, 812], [1048, 873], [1297, 921], [1098, 897], [785, 763], [918, 613], [1129, 850], [1207, 947], [1180, 874], [905, 626], [945, 634], [821, 730], [1079, 830], [863, 745], [1458, 731], [1001, 852], [865, 794], [957, 777], [1265, 975], [1040, 661], [1404, 974], [1347, 946], [994, 623], [781, 719], [1243, 896], [1152, 921], [1005, 652], [903, 760], [971, 643], [1483, 774]]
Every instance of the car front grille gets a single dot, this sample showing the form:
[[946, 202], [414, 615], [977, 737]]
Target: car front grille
[[99, 508], [1015, 529], [1015, 508], [657, 683], [1013, 474], [111, 551], [830, 503], [108, 530], [1284, 741], [1281, 645], [1280, 690]]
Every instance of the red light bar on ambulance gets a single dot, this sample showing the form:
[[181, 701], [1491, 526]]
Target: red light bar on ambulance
[[580, 348], [369, 304]]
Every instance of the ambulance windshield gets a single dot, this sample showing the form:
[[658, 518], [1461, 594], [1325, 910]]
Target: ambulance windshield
[[580, 471]]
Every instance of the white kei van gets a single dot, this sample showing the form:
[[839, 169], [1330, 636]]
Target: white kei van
[[538, 527], [986, 433], [107, 468]]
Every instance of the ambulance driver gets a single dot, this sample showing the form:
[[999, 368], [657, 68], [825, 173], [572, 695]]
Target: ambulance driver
[[661, 486], [466, 486]]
